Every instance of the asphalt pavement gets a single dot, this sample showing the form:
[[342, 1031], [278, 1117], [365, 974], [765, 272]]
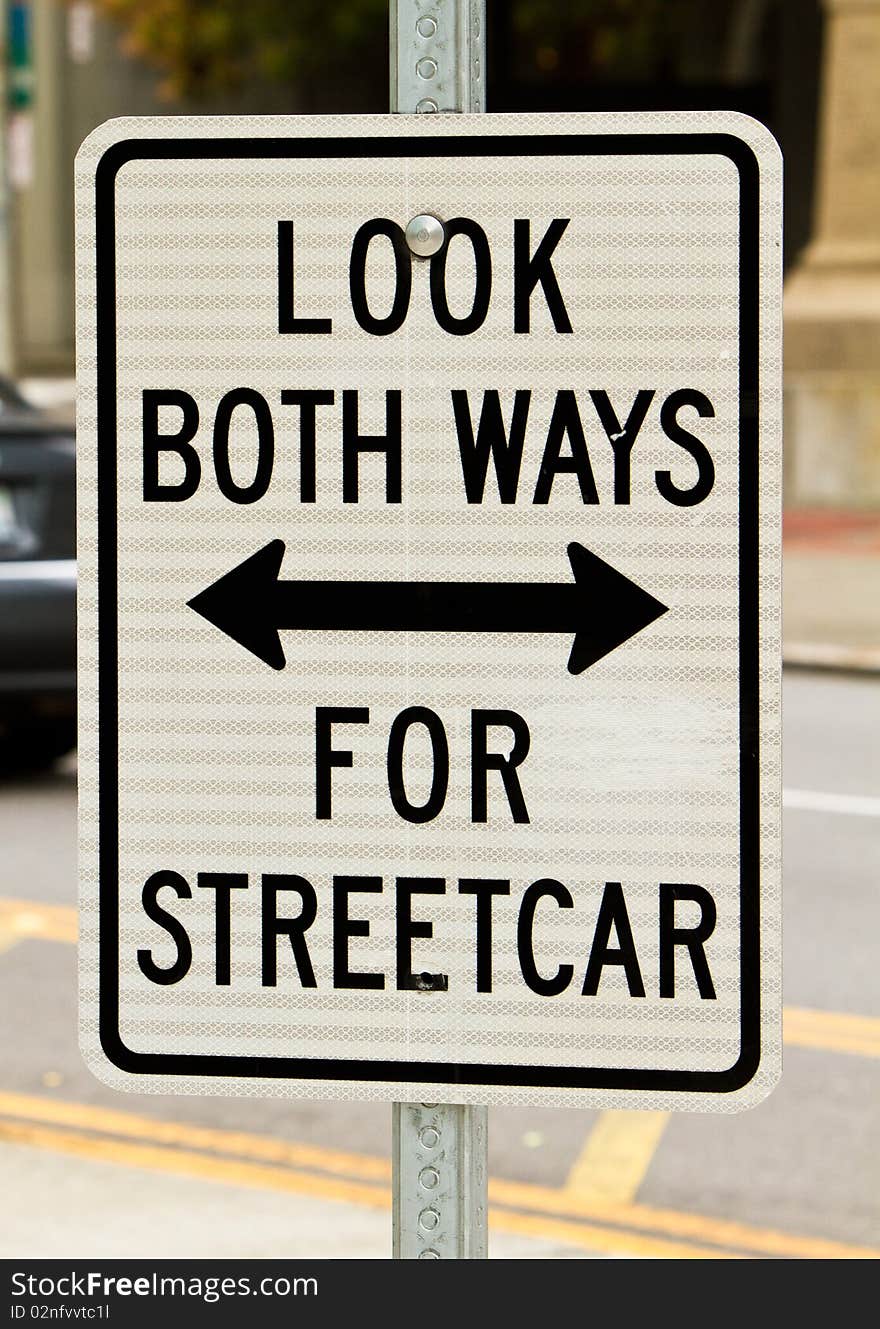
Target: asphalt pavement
[[89, 1172]]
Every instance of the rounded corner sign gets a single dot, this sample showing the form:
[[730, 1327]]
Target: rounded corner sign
[[429, 608]]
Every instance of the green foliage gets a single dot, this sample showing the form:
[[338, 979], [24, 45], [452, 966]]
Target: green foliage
[[208, 47], [205, 48], [625, 39]]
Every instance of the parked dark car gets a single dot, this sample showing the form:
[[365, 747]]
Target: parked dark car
[[37, 584]]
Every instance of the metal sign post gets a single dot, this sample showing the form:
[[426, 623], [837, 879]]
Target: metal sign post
[[428, 612], [438, 50], [438, 1149], [439, 1198]]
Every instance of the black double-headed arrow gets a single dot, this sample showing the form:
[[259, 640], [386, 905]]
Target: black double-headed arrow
[[601, 607]]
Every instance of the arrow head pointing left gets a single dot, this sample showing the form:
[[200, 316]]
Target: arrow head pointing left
[[242, 604]]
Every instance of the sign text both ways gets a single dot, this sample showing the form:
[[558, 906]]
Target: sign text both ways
[[602, 609]]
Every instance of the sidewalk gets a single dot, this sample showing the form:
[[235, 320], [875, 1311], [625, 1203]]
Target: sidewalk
[[831, 589], [80, 1208]]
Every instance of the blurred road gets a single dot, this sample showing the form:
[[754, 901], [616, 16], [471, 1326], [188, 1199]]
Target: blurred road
[[90, 1172]]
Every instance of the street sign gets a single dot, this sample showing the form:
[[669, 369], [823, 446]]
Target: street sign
[[429, 607]]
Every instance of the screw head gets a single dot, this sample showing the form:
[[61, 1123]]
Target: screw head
[[425, 235]]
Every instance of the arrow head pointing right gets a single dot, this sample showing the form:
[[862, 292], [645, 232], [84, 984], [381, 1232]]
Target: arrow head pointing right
[[613, 608]]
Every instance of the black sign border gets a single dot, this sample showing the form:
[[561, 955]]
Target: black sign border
[[450, 144]]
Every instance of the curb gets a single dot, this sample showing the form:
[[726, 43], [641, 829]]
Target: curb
[[831, 658]]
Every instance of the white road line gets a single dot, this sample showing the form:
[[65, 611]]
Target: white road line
[[852, 805], [43, 569]]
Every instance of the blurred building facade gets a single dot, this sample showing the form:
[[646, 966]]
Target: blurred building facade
[[65, 73], [808, 68], [832, 307]]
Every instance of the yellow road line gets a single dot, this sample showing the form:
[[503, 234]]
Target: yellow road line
[[832, 1031], [618, 1150], [209, 1167], [232, 1172], [726, 1233], [130, 1125], [609, 1171], [604, 1240], [358, 1178], [616, 1155], [22, 919]]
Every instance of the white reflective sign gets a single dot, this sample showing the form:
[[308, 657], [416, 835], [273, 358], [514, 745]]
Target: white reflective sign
[[429, 607]]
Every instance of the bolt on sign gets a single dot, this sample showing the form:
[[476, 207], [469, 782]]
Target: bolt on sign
[[429, 554]]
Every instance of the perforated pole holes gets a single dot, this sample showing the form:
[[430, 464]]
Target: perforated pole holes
[[439, 1181], [437, 56]]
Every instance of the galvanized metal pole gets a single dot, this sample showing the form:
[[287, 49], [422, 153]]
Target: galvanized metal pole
[[439, 1167], [438, 55], [438, 1153]]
